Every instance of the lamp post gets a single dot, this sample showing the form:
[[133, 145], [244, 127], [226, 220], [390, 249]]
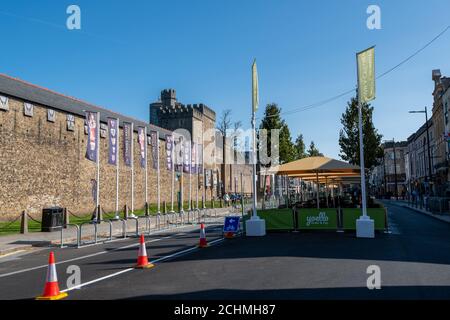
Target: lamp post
[[395, 166], [428, 140]]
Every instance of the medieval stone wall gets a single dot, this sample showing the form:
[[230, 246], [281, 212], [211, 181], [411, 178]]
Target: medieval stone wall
[[43, 164]]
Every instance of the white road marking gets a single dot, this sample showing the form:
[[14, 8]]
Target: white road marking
[[89, 255], [130, 269]]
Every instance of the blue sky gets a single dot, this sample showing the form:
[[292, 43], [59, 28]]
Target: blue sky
[[128, 51]]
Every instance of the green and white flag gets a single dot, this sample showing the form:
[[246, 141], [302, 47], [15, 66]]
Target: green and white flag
[[255, 91], [366, 75]]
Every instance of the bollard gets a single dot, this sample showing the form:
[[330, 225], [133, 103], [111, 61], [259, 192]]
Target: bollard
[[221, 204], [212, 203], [99, 214], [24, 223], [164, 207], [125, 212], [66, 218], [146, 210]]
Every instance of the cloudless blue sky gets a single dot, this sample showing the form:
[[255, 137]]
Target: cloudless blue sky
[[128, 51]]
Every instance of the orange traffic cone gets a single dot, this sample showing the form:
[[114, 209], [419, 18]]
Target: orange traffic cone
[[203, 243], [142, 262], [51, 290]]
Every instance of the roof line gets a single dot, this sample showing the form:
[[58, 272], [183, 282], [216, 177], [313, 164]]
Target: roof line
[[70, 97]]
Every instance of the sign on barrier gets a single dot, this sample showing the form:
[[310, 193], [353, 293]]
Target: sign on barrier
[[318, 219], [231, 224]]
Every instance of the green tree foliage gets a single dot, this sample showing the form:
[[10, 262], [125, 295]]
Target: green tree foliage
[[313, 151], [349, 136], [299, 146], [272, 120]]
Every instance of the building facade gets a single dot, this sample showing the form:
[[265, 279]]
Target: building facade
[[440, 120], [421, 171], [389, 177]]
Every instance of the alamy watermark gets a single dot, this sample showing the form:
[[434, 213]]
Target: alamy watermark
[[73, 21], [374, 280], [374, 20]]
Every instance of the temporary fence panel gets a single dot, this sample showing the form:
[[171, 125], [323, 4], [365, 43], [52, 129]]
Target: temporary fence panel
[[350, 215], [277, 219], [317, 219]]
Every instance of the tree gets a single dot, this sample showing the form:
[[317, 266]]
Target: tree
[[313, 151], [272, 120], [349, 136], [224, 126], [299, 146]]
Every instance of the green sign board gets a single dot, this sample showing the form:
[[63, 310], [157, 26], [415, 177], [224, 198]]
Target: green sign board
[[318, 219]]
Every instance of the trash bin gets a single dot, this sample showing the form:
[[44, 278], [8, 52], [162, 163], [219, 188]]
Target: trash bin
[[52, 219]]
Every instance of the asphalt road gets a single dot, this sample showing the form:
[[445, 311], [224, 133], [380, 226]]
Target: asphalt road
[[23, 276], [414, 261]]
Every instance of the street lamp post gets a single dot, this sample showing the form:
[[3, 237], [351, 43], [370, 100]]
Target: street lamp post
[[428, 140]]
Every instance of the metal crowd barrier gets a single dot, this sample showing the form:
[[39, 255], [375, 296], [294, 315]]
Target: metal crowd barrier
[[77, 232], [95, 223]]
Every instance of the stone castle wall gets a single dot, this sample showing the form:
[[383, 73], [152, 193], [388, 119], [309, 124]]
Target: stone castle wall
[[43, 164]]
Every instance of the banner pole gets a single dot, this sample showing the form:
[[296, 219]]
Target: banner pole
[[255, 199], [198, 173], [132, 169], [190, 175], [98, 166], [117, 167], [158, 187], [146, 167], [361, 157], [182, 175], [173, 173]]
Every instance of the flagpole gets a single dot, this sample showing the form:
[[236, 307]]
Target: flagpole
[[190, 175], [146, 168], [255, 199], [198, 173], [132, 169], [182, 175], [365, 226], [362, 165], [255, 226], [158, 187], [173, 174], [117, 166], [98, 167]]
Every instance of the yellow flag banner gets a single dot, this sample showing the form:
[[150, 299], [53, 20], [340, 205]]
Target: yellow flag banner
[[255, 91], [366, 75]]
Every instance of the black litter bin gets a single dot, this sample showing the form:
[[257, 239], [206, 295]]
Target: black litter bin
[[52, 219]]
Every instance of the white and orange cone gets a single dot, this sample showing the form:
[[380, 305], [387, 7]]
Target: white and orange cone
[[203, 243], [51, 290], [142, 262]]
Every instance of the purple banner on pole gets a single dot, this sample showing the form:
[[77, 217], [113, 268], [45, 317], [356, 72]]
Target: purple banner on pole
[[113, 126], [194, 158], [187, 157], [200, 158], [142, 146], [154, 136], [127, 143], [169, 151], [92, 143], [178, 152]]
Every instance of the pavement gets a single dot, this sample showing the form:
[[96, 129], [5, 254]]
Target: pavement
[[18, 243], [413, 260], [442, 217]]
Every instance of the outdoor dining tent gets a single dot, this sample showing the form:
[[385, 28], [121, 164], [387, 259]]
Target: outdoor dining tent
[[323, 169]]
